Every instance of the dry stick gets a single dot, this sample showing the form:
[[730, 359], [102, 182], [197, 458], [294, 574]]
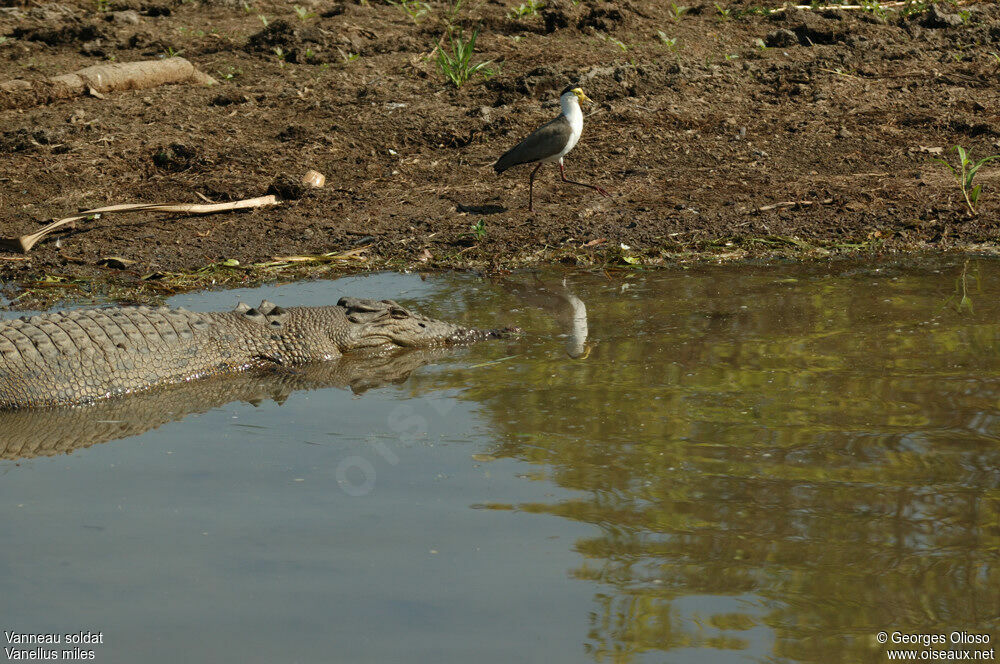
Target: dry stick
[[26, 242], [100, 79], [330, 257], [824, 7], [855, 7], [793, 204]]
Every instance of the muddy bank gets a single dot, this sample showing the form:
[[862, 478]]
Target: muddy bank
[[709, 121]]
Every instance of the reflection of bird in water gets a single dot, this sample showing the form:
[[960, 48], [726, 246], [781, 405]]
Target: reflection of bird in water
[[568, 310]]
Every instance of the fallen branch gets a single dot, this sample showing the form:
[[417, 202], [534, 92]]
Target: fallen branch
[[287, 261], [101, 79], [882, 5], [788, 204], [824, 7], [26, 242]]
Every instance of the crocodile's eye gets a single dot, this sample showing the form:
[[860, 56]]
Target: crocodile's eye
[[398, 313]]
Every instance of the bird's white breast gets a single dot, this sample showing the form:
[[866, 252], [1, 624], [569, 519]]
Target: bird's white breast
[[571, 109]]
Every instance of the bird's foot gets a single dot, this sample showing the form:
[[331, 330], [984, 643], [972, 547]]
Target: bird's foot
[[602, 191]]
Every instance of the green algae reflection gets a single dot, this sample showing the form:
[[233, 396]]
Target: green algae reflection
[[790, 457]]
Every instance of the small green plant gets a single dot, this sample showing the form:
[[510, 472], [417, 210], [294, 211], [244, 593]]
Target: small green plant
[[263, 19], [965, 175], [669, 42], [479, 230], [677, 11], [102, 5], [412, 8], [169, 52], [3, 40], [724, 14], [230, 73], [303, 13], [753, 11], [348, 57], [911, 7], [875, 7], [280, 52], [760, 43], [732, 56], [617, 42], [525, 10], [965, 15], [456, 62], [454, 6]]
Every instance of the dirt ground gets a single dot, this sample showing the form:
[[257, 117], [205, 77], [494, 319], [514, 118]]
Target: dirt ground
[[704, 118]]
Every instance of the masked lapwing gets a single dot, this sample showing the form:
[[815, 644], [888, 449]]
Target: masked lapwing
[[551, 142]]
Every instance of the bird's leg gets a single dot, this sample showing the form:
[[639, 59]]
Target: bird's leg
[[562, 172], [531, 187]]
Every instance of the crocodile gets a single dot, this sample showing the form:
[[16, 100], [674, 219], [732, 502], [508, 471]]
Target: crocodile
[[86, 355]]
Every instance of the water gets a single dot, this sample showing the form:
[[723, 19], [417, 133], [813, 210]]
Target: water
[[765, 463]]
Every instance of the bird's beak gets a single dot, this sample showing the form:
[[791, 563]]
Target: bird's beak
[[583, 97]]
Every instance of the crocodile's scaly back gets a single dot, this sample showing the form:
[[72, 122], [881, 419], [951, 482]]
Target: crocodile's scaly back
[[87, 354], [80, 356]]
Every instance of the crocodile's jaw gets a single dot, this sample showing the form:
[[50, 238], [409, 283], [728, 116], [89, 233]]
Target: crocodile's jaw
[[385, 323], [417, 332]]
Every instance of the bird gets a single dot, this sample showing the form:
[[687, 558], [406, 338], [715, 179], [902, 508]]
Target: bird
[[551, 142]]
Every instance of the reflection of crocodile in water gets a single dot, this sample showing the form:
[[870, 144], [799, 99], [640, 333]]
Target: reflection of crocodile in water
[[85, 355], [38, 432]]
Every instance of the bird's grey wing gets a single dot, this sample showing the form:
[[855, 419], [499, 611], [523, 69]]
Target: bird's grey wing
[[544, 142]]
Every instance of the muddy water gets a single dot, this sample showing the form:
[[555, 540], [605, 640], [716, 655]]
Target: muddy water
[[755, 463]]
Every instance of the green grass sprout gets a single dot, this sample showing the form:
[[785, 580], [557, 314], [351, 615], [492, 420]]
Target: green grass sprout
[[455, 62], [966, 173]]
